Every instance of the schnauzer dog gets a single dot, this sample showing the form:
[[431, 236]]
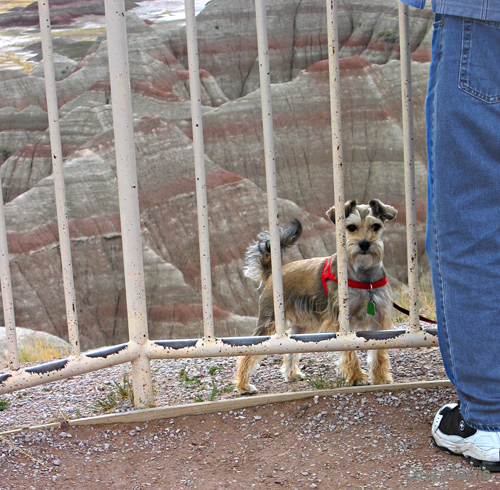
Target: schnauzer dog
[[311, 293]]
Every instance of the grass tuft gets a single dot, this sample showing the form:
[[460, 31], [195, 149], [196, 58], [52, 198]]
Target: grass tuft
[[321, 382], [117, 393], [214, 369], [187, 380], [4, 404]]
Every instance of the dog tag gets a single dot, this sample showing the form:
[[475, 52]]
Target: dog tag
[[370, 305], [370, 308]]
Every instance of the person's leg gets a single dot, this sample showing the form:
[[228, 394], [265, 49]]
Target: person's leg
[[463, 235]]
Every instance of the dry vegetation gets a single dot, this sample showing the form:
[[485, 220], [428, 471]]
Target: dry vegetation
[[35, 351], [7, 5], [425, 296]]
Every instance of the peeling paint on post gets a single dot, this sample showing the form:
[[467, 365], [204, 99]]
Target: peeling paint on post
[[126, 171], [338, 158], [270, 162], [57, 171], [199, 163], [409, 157], [7, 297]]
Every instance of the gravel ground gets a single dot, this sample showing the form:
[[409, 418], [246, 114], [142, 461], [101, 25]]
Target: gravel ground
[[361, 440]]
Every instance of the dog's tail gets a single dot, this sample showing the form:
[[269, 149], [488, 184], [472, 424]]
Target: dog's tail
[[258, 255]]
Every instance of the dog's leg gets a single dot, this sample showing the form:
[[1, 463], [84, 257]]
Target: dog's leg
[[246, 366], [350, 369], [290, 368], [380, 365]]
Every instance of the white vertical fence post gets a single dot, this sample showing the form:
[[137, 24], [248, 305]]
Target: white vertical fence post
[[338, 162], [270, 162], [57, 170], [409, 158], [7, 297], [126, 170], [199, 161]]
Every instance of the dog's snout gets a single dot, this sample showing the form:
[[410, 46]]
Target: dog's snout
[[364, 245]]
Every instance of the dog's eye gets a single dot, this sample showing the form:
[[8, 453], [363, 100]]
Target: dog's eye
[[351, 228], [376, 227]]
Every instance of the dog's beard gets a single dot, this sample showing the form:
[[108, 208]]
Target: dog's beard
[[365, 260]]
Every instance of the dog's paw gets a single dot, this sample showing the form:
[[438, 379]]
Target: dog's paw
[[358, 379], [247, 390], [290, 377], [361, 381], [384, 380]]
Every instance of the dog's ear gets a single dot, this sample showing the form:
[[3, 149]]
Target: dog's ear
[[349, 206], [382, 211]]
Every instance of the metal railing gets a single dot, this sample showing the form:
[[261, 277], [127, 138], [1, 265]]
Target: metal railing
[[140, 350]]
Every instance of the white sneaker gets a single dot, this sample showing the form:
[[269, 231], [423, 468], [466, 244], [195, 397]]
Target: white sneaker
[[453, 435]]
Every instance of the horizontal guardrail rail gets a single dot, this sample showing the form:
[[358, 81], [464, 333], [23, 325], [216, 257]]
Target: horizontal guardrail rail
[[215, 347]]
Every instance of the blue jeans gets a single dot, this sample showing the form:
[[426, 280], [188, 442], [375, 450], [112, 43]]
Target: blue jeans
[[463, 227]]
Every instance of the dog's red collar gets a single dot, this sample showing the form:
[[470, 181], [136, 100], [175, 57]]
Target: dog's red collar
[[328, 274]]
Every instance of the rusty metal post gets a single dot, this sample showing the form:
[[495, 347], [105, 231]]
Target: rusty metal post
[[57, 171], [270, 162], [338, 162], [409, 158], [199, 162], [7, 297], [126, 170]]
